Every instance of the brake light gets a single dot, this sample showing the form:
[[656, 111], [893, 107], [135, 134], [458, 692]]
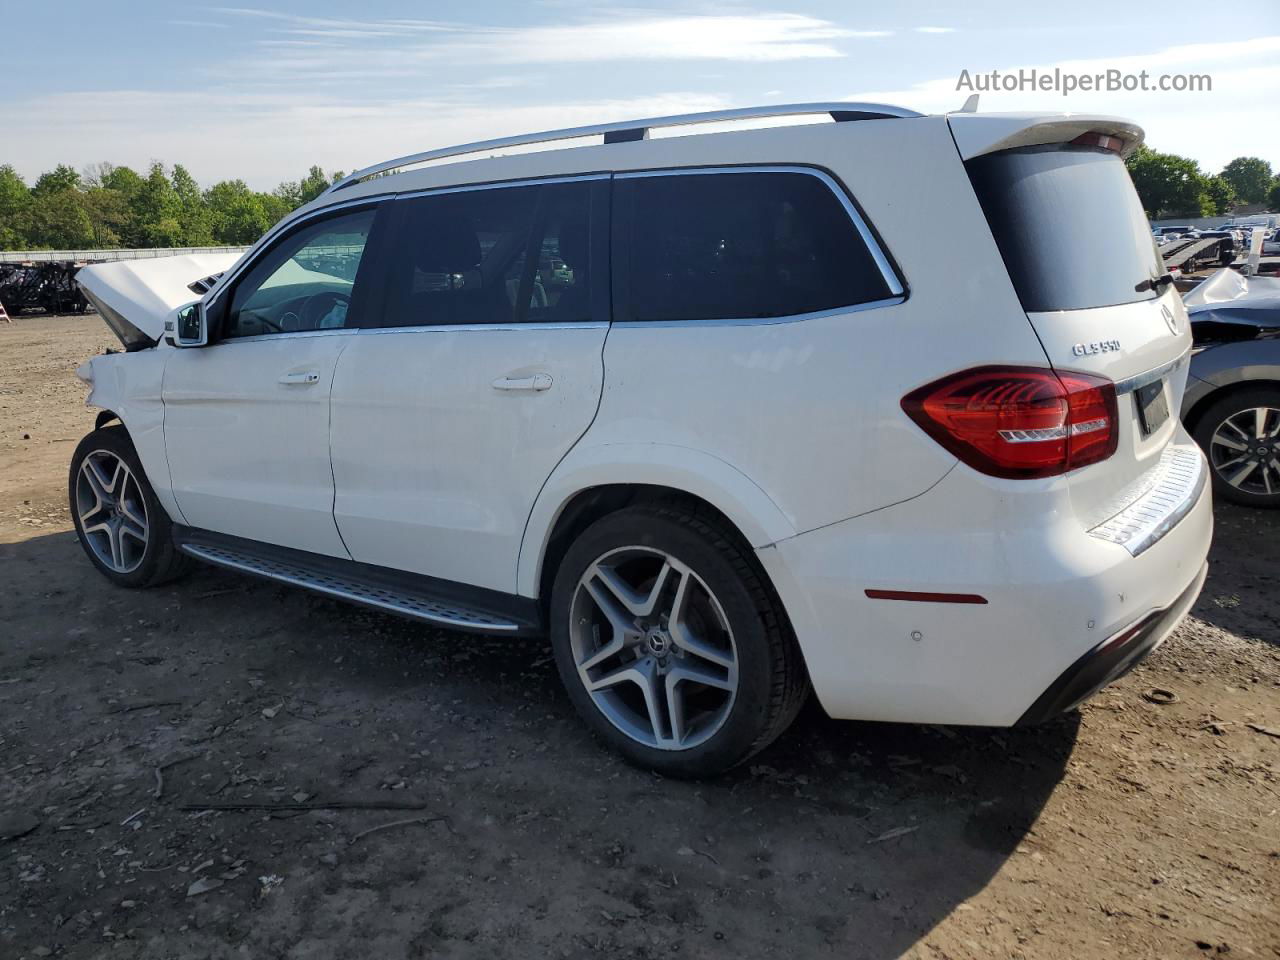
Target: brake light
[[1114, 144], [1019, 422]]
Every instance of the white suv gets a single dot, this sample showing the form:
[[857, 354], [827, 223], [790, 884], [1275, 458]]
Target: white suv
[[709, 409]]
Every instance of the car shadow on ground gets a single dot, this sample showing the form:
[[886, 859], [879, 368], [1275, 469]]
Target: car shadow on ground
[[1242, 591], [858, 837]]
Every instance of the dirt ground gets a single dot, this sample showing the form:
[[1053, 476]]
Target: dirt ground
[[1132, 829]]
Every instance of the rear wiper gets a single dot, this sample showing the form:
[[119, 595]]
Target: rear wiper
[[1154, 283]]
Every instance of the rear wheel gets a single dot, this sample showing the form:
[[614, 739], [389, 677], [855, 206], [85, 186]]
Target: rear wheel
[[122, 527], [670, 644], [1240, 436]]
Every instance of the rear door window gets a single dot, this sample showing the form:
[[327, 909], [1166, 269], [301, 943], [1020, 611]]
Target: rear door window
[[1069, 225], [739, 245]]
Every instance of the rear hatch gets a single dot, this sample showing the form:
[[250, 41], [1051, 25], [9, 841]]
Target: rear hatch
[[1079, 252]]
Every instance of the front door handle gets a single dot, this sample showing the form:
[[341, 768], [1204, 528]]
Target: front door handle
[[305, 378], [538, 382]]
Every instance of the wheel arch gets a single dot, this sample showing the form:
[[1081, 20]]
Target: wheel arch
[[1192, 419], [104, 417], [609, 477]]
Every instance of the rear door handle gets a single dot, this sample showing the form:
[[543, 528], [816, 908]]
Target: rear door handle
[[305, 378], [538, 382]]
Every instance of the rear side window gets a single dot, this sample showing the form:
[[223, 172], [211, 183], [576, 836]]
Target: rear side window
[[1069, 226], [500, 255], [739, 245]]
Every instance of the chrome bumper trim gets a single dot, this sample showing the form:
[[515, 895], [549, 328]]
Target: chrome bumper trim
[[1173, 488]]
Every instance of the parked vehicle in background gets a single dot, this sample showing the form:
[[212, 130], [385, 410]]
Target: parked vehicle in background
[[1224, 252], [758, 438], [1232, 403]]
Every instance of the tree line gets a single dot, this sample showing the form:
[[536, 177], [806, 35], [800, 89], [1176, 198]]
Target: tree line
[[1172, 186], [107, 206]]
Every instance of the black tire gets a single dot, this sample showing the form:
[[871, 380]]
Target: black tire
[[160, 560], [1214, 417], [772, 682]]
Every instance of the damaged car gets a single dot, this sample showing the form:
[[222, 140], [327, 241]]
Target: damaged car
[[1232, 402], [756, 439]]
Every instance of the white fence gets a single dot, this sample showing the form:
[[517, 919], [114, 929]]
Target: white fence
[[100, 256]]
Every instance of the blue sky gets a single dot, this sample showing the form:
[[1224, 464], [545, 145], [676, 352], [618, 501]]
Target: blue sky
[[261, 92]]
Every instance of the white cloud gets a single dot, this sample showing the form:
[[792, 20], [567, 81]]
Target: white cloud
[[264, 138], [935, 29], [1232, 119], [749, 37]]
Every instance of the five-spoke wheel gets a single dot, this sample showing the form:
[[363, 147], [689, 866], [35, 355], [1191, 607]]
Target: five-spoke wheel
[[122, 527], [112, 511], [653, 648], [669, 641]]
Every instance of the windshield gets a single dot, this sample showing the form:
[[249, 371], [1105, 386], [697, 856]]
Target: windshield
[[1069, 226]]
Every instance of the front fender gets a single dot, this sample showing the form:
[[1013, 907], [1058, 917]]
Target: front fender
[[129, 385], [682, 469]]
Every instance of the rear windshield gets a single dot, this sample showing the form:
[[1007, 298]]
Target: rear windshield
[[1069, 226]]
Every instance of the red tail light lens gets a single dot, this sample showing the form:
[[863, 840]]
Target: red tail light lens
[[1019, 422]]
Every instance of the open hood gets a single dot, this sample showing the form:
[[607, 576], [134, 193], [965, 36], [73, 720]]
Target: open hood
[[135, 297]]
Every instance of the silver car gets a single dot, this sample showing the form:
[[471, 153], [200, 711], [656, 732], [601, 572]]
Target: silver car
[[1232, 401]]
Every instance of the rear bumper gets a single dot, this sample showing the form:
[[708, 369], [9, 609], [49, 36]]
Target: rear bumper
[[1111, 659], [1054, 594]]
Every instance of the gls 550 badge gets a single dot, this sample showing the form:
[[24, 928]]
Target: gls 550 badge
[[1097, 346]]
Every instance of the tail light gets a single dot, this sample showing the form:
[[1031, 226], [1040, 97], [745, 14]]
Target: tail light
[[1019, 422]]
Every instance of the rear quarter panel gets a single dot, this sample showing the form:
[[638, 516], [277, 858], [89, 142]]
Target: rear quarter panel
[[808, 409]]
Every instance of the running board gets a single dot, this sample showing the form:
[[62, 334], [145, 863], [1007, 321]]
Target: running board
[[438, 602]]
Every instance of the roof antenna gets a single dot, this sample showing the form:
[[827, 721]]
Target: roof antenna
[[970, 105]]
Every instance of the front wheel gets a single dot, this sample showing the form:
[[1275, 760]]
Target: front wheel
[[122, 527], [1240, 436], [671, 645]]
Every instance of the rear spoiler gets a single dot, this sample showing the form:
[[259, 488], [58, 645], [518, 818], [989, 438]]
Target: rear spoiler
[[980, 133]]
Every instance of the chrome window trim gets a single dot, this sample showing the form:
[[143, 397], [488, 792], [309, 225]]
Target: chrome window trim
[[480, 327], [864, 231], [287, 335], [765, 321], [501, 185], [1129, 384], [230, 276]]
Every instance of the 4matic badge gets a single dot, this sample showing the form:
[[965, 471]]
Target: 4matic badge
[[1096, 346]]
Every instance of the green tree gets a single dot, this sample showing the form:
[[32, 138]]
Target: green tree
[[1250, 177], [59, 220], [193, 215], [238, 215], [1273, 196], [110, 219], [124, 180], [1221, 195], [158, 210], [1168, 184], [57, 180], [313, 184], [15, 200]]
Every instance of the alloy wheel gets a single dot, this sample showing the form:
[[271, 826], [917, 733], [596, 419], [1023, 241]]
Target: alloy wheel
[[112, 511], [653, 648], [1245, 450]]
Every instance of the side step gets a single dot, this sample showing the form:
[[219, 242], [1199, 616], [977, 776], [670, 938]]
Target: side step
[[439, 602]]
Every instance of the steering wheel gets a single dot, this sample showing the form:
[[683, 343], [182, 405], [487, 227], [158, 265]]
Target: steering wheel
[[317, 306]]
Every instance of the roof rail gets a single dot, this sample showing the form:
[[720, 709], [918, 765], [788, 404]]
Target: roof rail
[[630, 130]]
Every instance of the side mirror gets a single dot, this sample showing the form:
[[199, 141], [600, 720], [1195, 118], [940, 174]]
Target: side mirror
[[189, 326]]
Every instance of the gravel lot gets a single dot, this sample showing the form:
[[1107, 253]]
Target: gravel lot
[[1131, 829]]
